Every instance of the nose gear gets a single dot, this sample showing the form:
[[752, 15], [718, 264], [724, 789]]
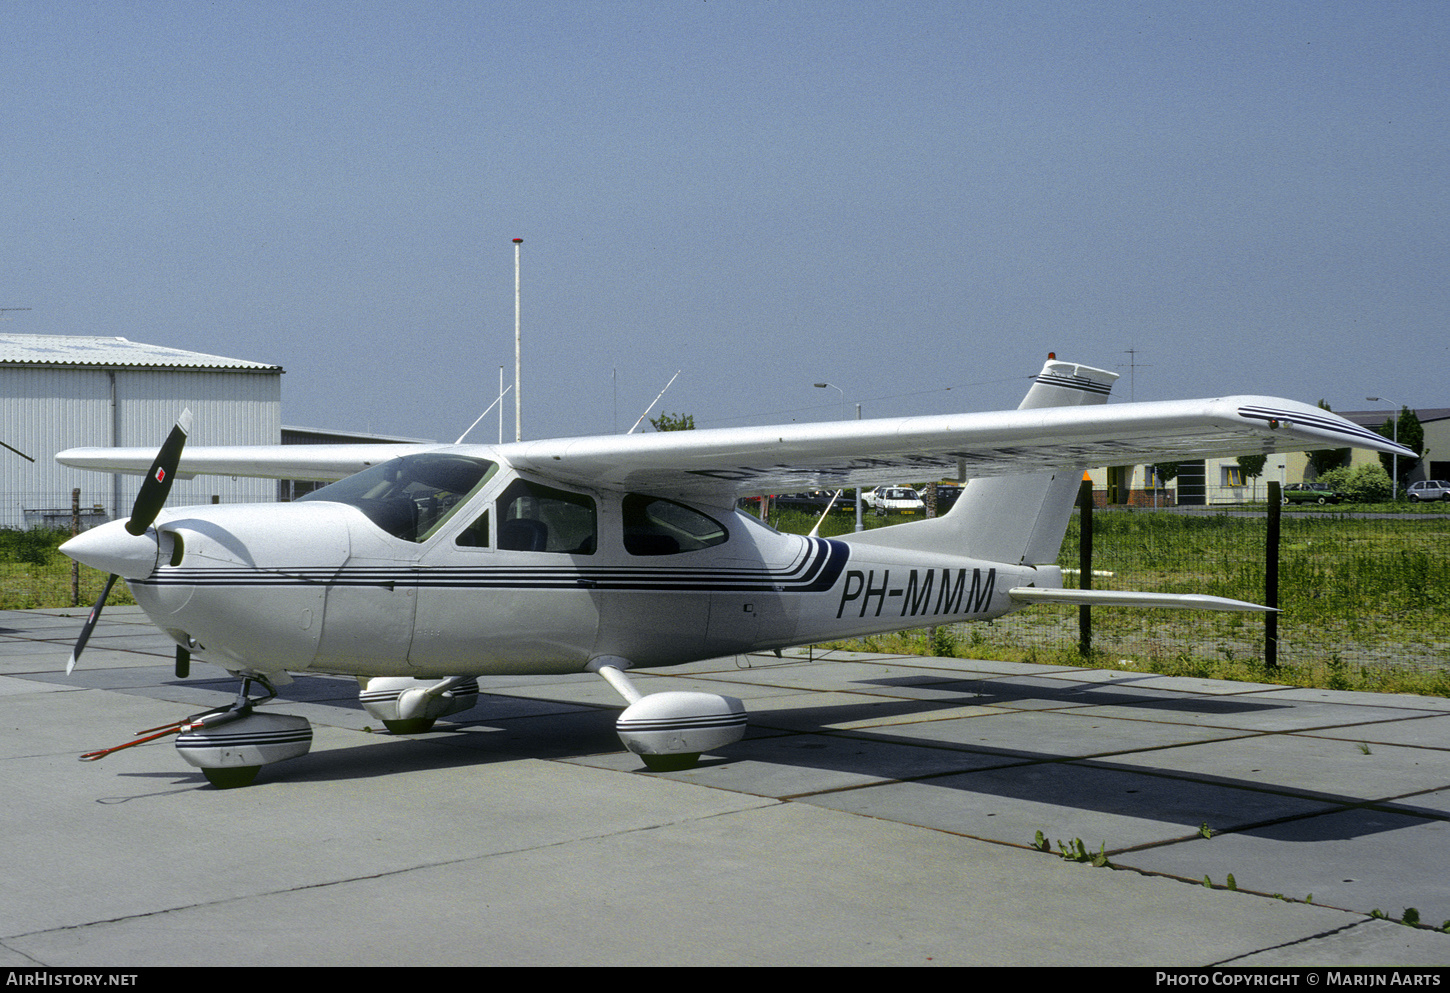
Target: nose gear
[[231, 745]]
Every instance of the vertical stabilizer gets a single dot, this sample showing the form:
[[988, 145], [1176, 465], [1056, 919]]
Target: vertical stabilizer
[[1016, 519], [1022, 519]]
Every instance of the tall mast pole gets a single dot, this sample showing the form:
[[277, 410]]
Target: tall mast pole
[[518, 349]]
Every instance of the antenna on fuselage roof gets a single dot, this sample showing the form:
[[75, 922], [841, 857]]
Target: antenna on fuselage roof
[[656, 400], [496, 402]]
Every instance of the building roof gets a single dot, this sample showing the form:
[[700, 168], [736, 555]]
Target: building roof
[[87, 351], [1372, 419], [293, 435]]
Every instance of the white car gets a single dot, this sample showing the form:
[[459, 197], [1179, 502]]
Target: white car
[[894, 500], [1430, 489]]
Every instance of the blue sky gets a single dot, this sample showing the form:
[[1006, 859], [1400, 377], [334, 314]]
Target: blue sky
[[913, 201]]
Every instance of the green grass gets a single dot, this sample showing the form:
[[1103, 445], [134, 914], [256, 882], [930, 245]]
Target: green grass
[[33, 574], [1402, 507], [1330, 672], [1363, 603], [836, 524]]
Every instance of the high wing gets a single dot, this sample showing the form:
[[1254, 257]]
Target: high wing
[[321, 463], [719, 465], [746, 461]]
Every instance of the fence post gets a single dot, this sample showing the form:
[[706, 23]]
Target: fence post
[[1085, 567], [1271, 579], [75, 529]]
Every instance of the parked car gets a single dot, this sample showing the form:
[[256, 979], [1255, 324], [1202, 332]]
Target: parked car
[[1310, 493], [893, 500], [814, 502], [1430, 489], [946, 496]]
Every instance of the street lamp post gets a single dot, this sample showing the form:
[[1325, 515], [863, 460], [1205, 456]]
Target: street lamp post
[[1395, 458], [518, 349], [822, 386]]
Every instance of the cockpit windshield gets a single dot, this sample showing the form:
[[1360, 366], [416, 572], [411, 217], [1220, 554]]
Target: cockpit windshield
[[411, 496]]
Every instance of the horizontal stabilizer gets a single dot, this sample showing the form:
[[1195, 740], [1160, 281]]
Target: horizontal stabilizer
[[1129, 598]]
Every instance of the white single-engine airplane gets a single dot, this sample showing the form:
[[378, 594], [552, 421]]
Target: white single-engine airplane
[[424, 566]]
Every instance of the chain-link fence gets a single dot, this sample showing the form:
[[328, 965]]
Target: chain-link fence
[[1358, 590]]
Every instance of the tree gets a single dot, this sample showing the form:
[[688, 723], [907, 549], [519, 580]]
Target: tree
[[1410, 434], [673, 422], [1328, 458], [1253, 465], [1160, 475]]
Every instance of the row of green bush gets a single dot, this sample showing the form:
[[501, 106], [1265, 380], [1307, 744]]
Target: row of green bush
[[1368, 483], [35, 546]]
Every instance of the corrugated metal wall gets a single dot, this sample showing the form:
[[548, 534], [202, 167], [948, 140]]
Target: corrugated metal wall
[[46, 410]]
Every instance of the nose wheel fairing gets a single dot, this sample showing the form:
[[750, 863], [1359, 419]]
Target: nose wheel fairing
[[230, 754]]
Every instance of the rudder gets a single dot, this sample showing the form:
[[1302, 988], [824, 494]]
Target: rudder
[[1017, 519], [1021, 519]]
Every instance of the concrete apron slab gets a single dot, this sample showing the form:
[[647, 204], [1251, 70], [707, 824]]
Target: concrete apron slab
[[880, 811], [783, 884]]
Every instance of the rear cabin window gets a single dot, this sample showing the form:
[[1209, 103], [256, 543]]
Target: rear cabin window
[[537, 518], [655, 526]]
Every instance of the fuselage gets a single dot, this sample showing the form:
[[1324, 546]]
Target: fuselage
[[505, 573]]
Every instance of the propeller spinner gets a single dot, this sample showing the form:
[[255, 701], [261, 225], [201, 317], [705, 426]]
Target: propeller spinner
[[132, 557]]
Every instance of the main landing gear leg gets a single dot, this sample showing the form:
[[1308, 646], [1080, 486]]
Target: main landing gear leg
[[410, 706], [668, 731]]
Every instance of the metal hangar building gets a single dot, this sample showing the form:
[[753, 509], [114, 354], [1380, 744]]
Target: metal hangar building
[[71, 391]]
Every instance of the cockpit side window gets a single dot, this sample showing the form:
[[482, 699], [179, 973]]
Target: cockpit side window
[[537, 518], [410, 497], [656, 526], [475, 535]]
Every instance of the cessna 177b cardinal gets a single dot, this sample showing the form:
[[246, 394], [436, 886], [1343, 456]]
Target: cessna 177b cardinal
[[422, 567]]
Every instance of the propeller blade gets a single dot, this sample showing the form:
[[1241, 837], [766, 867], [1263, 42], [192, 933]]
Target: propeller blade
[[159, 478], [149, 500], [90, 624], [183, 662]]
